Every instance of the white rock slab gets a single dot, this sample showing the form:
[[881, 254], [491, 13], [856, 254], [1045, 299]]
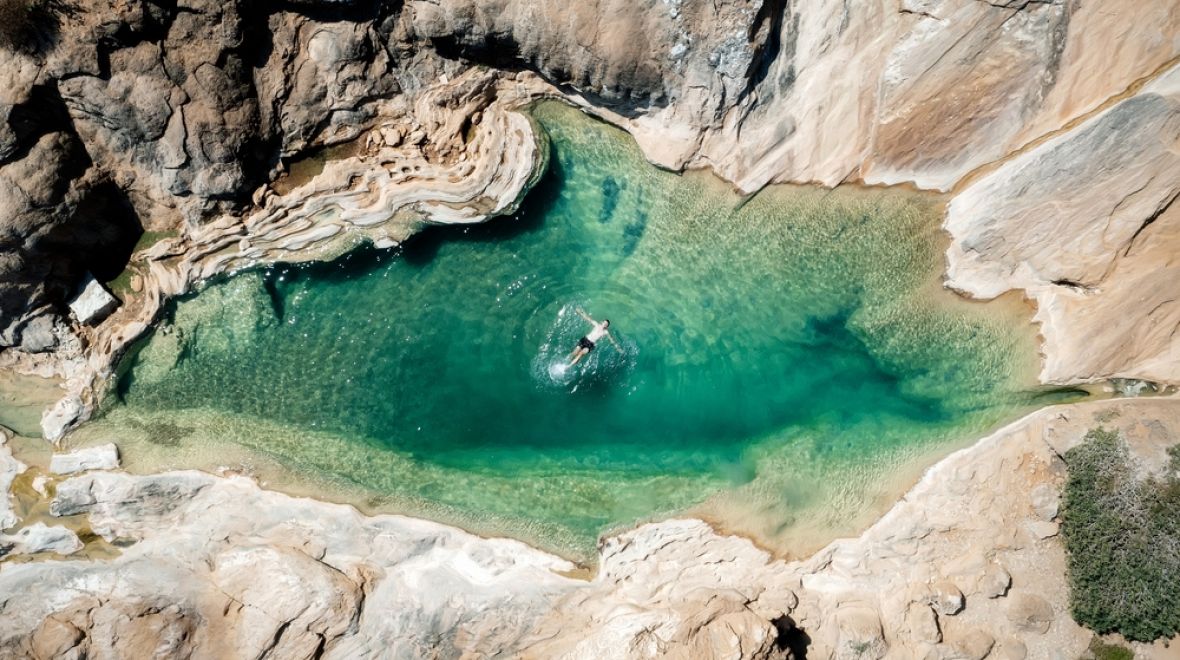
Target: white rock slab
[[40, 537], [102, 457], [9, 469], [94, 303]]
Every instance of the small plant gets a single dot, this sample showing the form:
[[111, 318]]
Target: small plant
[[1123, 538]]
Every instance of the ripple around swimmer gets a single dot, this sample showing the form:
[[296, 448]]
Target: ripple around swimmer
[[783, 356]]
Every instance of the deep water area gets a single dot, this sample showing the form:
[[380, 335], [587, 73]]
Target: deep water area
[[781, 357]]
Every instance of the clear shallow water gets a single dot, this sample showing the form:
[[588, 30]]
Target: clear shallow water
[[783, 356]]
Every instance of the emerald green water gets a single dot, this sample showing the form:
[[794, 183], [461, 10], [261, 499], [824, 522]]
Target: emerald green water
[[780, 354]]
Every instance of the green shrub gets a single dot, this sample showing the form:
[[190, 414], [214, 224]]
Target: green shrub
[[1123, 539], [1100, 650]]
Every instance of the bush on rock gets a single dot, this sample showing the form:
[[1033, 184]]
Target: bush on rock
[[1123, 538]]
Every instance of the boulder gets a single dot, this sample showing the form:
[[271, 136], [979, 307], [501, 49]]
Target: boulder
[[61, 417], [945, 598], [994, 582], [1041, 529], [93, 303], [38, 335], [922, 623], [1011, 649]]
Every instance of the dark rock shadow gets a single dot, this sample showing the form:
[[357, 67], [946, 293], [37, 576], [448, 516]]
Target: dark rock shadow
[[32, 26], [791, 638]]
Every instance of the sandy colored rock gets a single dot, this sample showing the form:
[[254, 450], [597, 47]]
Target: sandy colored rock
[[922, 623], [975, 644], [944, 597], [859, 634], [995, 581], [55, 638], [1045, 501], [1030, 612], [1011, 649]]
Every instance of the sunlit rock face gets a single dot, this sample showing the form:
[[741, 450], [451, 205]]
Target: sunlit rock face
[[1052, 125], [1087, 223]]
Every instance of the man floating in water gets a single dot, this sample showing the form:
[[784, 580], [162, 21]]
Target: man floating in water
[[586, 344]]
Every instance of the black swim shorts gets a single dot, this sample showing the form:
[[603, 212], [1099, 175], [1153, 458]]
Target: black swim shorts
[[586, 344]]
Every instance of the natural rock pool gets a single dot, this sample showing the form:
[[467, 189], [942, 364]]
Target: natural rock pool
[[784, 357]]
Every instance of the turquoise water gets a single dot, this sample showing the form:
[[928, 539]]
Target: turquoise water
[[781, 353]]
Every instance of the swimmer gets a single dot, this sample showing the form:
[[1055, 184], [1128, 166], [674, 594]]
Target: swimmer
[[586, 344]]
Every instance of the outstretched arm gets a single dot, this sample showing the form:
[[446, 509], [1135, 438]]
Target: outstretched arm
[[612, 340], [583, 314]]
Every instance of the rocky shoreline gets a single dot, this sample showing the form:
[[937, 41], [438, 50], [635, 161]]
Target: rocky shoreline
[[966, 565], [1063, 180]]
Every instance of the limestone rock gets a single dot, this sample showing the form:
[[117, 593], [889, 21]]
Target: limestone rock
[[922, 623], [61, 416], [55, 638], [39, 334], [1045, 501], [945, 598], [1041, 529], [9, 469], [707, 611], [629, 55], [995, 582], [102, 457], [212, 566], [40, 537], [1030, 612], [1085, 223]]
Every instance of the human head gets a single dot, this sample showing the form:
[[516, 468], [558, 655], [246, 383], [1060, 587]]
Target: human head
[[605, 322]]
